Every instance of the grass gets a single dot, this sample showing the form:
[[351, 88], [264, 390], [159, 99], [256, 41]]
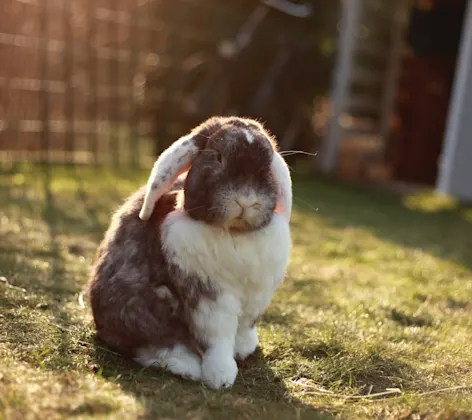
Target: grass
[[378, 296]]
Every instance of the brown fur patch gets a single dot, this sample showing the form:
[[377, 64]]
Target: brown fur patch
[[130, 266]]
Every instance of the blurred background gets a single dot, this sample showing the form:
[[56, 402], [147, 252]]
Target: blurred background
[[365, 93], [366, 85]]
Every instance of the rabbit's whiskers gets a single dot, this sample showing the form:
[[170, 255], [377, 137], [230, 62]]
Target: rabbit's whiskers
[[194, 208], [297, 152]]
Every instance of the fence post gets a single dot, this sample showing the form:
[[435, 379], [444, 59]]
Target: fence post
[[92, 85], [68, 57], [43, 91], [112, 103], [134, 141], [351, 13]]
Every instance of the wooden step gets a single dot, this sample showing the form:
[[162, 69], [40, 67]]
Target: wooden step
[[362, 104], [377, 50], [353, 126], [363, 75]]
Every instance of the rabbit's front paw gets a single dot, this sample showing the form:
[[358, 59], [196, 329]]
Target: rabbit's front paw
[[246, 343], [219, 370]]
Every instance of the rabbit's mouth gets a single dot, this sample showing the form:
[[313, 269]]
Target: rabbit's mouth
[[238, 224], [244, 223]]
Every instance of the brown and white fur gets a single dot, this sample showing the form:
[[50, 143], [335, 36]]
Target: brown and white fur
[[182, 276]]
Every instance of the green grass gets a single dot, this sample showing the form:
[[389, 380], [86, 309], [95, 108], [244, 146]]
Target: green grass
[[378, 296]]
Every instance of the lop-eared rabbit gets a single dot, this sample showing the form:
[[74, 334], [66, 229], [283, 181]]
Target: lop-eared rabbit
[[191, 260]]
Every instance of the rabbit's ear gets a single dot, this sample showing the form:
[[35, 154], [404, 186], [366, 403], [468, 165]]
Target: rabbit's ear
[[281, 174], [174, 161]]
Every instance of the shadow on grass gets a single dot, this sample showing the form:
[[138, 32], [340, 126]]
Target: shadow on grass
[[257, 390], [445, 232], [68, 345]]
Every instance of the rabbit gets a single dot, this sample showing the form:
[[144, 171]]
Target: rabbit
[[191, 260]]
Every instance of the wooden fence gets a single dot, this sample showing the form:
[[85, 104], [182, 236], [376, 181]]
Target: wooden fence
[[73, 75]]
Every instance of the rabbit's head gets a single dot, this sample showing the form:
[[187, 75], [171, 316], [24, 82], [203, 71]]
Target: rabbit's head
[[236, 177]]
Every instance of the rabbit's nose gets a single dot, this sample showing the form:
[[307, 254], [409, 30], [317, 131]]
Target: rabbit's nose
[[246, 202]]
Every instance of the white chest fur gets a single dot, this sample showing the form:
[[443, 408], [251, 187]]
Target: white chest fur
[[249, 266]]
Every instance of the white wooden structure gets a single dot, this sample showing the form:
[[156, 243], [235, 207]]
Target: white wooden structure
[[455, 166], [455, 170]]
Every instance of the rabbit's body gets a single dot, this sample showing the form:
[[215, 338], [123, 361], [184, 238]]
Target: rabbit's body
[[183, 288]]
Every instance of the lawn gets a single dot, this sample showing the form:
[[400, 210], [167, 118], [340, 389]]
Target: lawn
[[374, 319]]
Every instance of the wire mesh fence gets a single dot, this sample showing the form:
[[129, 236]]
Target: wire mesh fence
[[73, 75], [107, 81]]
